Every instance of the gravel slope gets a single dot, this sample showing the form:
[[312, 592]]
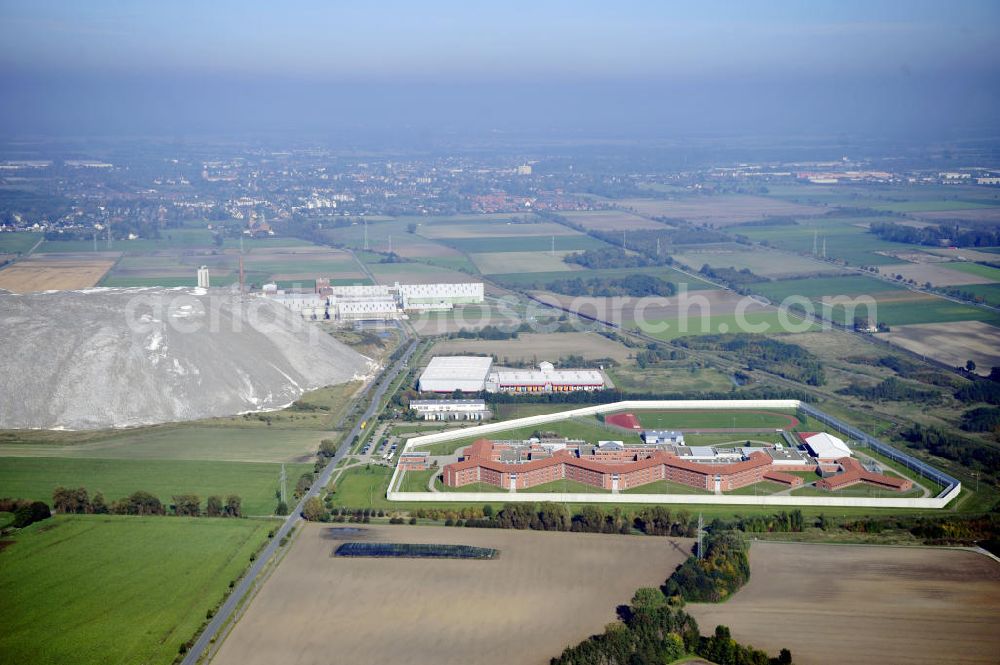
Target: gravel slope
[[122, 357]]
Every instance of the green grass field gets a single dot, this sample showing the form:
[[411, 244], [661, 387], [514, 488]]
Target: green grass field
[[922, 310], [845, 239], [815, 288], [978, 269], [566, 485], [522, 243], [35, 478], [12, 243], [758, 322], [990, 293], [226, 444], [539, 279], [713, 420], [664, 487], [416, 481], [761, 488], [109, 589]]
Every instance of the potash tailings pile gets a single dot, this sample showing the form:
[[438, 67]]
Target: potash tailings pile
[[123, 357]]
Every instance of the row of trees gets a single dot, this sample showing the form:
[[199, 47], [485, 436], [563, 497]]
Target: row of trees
[[637, 285], [967, 235], [79, 502], [892, 389], [721, 570]]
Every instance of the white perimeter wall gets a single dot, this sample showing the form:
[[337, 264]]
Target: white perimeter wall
[[639, 405]]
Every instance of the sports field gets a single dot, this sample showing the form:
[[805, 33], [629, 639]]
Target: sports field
[[316, 608], [34, 478], [92, 589], [865, 605], [705, 420]]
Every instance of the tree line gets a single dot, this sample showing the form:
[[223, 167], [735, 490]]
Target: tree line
[[77, 501], [637, 286], [968, 235]]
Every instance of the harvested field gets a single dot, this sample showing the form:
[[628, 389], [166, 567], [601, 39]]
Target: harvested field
[[758, 261], [935, 273], [859, 604], [417, 273], [611, 220], [444, 611], [503, 262], [720, 210], [529, 347], [951, 343], [494, 229], [627, 310], [56, 273], [964, 254]]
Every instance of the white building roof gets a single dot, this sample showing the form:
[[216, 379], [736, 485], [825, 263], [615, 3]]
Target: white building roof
[[827, 446], [545, 375], [448, 373]]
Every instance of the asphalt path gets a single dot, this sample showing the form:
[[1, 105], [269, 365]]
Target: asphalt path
[[248, 581]]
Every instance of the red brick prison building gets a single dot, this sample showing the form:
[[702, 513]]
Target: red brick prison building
[[616, 468], [612, 465]]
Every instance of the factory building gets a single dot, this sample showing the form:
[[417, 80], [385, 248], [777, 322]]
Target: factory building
[[545, 379], [375, 302], [450, 409], [446, 374], [475, 373]]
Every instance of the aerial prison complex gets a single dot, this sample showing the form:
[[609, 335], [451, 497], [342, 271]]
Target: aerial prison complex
[[615, 466], [446, 374], [378, 302]]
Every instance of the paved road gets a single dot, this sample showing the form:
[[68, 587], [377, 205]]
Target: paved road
[[225, 612]]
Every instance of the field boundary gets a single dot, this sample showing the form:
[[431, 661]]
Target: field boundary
[[951, 490]]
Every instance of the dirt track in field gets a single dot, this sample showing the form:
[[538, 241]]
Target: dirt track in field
[[865, 605], [545, 592]]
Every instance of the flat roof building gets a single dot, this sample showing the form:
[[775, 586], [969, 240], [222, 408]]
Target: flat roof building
[[545, 379], [450, 409], [446, 374]]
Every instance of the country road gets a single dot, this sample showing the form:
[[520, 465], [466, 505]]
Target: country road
[[225, 612]]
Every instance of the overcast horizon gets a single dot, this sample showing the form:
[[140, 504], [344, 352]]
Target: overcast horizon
[[904, 70]]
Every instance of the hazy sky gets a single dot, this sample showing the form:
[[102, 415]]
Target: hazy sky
[[214, 66]]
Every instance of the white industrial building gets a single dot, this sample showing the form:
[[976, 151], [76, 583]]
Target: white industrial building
[[655, 437], [545, 379], [203, 281], [451, 409], [826, 447], [446, 374], [379, 302]]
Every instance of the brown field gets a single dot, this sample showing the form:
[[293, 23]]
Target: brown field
[[935, 273], [914, 257], [495, 263], [530, 346], [951, 343], [545, 592], [859, 604], [611, 220], [720, 210], [758, 261], [52, 272], [495, 230], [654, 308], [418, 273], [965, 254]]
